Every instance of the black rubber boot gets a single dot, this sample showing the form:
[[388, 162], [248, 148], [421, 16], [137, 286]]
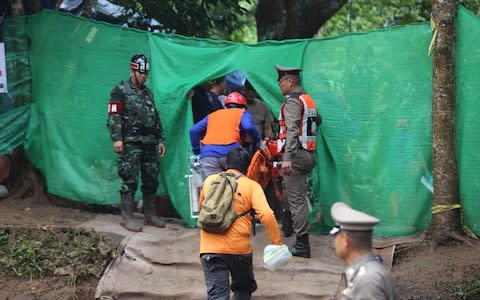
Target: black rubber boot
[[150, 211], [301, 247], [287, 225], [242, 295], [126, 207]]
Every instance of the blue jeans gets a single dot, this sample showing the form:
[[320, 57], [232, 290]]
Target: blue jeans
[[218, 268]]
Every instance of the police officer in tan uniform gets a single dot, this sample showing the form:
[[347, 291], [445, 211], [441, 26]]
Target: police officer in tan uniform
[[298, 122], [366, 275]]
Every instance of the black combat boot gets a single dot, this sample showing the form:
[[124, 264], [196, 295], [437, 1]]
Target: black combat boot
[[150, 211], [301, 247], [126, 208], [287, 225]]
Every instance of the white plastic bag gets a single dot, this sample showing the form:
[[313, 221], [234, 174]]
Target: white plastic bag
[[275, 256]]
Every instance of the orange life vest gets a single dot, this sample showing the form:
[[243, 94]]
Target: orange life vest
[[223, 127], [262, 170], [307, 125], [260, 167]]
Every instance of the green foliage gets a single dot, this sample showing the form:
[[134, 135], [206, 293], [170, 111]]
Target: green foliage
[[246, 32], [234, 20], [365, 15], [3, 238], [465, 290], [27, 257], [74, 254], [199, 18], [3, 249]]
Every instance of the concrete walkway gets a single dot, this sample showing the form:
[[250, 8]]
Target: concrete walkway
[[164, 264]]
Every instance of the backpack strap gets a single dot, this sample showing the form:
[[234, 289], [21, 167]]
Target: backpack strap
[[249, 211], [236, 177]]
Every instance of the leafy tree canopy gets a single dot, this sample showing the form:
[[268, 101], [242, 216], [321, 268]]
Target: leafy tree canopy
[[198, 18], [256, 20], [250, 20], [365, 15]]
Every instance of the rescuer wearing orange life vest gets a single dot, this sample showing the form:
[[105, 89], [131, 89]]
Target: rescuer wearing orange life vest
[[220, 132], [298, 121]]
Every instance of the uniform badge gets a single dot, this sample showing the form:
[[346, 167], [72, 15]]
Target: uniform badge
[[115, 107]]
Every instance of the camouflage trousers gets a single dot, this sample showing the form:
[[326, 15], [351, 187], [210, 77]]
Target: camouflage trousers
[[138, 159]]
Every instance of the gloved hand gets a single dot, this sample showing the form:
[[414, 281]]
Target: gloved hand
[[196, 157], [195, 161]]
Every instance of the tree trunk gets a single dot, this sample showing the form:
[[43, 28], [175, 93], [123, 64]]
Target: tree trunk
[[446, 224], [287, 19]]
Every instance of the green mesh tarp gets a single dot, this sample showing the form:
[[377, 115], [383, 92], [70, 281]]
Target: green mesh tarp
[[373, 91], [13, 128], [377, 99], [467, 112], [18, 66]]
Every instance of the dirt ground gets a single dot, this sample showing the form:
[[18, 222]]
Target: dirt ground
[[451, 272]]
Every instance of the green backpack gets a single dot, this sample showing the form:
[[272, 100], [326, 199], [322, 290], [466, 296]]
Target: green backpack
[[217, 212]]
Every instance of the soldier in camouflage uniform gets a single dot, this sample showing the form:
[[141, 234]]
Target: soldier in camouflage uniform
[[137, 135]]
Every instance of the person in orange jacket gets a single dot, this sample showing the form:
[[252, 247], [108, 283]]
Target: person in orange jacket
[[220, 132], [230, 253]]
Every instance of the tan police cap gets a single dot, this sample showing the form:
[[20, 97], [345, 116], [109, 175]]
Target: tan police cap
[[350, 219], [283, 71]]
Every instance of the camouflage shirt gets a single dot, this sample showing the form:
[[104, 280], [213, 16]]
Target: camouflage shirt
[[132, 115]]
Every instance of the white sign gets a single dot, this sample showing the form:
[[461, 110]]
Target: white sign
[[3, 70]]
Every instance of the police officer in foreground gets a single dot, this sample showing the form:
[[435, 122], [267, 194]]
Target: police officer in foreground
[[298, 121], [137, 135], [366, 275]]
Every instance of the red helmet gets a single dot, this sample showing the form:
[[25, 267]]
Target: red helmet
[[236, 98]]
